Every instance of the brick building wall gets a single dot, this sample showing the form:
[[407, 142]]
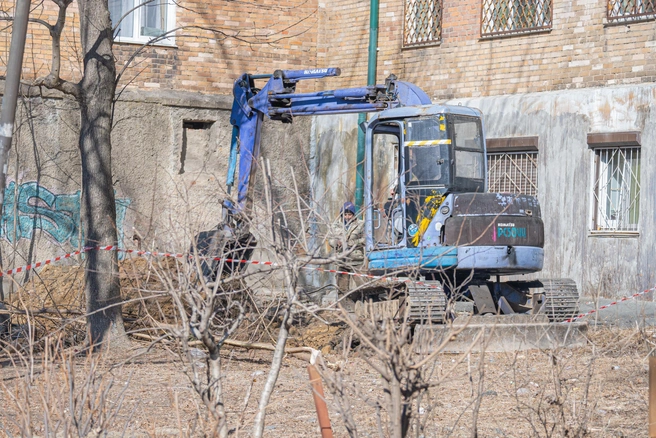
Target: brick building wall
[[343, 40], [580, 50], [580, 77], [220, 39], [217, 41]]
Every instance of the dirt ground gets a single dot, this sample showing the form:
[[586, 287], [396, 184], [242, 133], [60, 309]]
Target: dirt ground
[[600, 390], [519, 393]]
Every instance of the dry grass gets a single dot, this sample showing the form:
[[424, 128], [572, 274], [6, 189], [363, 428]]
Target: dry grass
[[518, 399], [599, 390]]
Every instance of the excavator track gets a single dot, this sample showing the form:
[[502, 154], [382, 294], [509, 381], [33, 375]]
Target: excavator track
[[426, 303], [421, 303], [561, 299]]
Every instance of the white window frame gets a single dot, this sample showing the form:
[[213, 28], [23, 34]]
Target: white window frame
[[138, 37], [624, 182]]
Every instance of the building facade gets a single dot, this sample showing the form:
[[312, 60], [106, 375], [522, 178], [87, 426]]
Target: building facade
[[566, 89]]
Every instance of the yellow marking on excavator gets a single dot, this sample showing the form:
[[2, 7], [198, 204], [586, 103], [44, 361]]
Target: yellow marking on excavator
[[427, 142]]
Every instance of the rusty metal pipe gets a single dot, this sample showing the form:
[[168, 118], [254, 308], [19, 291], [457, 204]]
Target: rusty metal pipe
[[652, 396], [320, 402]]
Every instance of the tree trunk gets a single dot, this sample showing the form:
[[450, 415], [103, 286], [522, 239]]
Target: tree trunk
[[215, 387], [97, 89], [278, 355]]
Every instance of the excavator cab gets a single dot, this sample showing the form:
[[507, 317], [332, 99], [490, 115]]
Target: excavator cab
[[416, 156]]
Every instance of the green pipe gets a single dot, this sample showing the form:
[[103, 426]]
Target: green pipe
[[371, 80]]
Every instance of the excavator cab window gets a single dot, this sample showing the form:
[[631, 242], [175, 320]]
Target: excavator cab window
[[426, 128], [442, 153], [445, 151], [469, 155], [385, 189], [427, 152]]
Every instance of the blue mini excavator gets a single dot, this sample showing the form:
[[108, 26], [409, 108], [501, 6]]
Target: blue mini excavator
[[438, 226]]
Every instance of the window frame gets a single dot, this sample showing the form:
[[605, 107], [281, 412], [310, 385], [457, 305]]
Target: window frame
[[632, 17], [625, 142], [169, 40], [515, 31], [437, 40], [514, 146]]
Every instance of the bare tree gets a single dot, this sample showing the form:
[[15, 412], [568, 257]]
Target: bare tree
[[74, 396], [212, 299], [94, 93]]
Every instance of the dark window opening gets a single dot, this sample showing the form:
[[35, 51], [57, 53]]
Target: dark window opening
[[194, 133]]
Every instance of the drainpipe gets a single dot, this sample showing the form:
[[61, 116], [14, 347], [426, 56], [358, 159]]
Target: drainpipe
[[371, 80], [10, 96]]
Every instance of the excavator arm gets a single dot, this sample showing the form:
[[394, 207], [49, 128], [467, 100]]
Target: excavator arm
[[278, 100]]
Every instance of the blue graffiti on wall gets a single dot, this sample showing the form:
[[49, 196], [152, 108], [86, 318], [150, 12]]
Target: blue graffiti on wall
[[37, 208]]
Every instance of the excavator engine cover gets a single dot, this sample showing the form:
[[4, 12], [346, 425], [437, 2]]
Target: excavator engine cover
[[494, 219]]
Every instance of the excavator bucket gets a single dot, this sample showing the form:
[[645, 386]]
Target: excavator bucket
[[223, 253]]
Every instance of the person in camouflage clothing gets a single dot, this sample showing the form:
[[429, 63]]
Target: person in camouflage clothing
[[346, 238]]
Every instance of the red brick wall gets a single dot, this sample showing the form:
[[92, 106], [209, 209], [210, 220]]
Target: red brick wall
[[579, 51], [343, 40], [228, 38]]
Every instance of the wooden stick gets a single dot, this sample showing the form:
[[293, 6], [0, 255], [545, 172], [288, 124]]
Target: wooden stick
[[248, 346]]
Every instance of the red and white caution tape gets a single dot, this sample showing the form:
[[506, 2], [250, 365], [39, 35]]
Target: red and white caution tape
[[606, 306], [267, 263], [257, 262], [181, 255], [43, 263]]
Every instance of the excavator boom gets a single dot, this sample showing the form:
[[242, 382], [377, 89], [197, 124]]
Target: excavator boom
[[278, 100]]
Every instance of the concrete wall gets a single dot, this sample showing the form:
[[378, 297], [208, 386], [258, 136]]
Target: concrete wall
[[611, 264], [170, 153], [166, 195]]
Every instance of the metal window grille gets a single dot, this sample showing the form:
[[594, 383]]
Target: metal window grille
[[423, 22], [617, 189], [515, 172], [627, 10], [502, 17]]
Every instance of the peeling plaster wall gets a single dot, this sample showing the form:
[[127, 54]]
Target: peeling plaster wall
[[170, 179], [611, 265], [335, 163]]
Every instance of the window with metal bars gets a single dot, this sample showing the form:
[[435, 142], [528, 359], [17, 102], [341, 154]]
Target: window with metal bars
[[423, 22], [513, 172], [630, 10], [507, 17], [616, 194]]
